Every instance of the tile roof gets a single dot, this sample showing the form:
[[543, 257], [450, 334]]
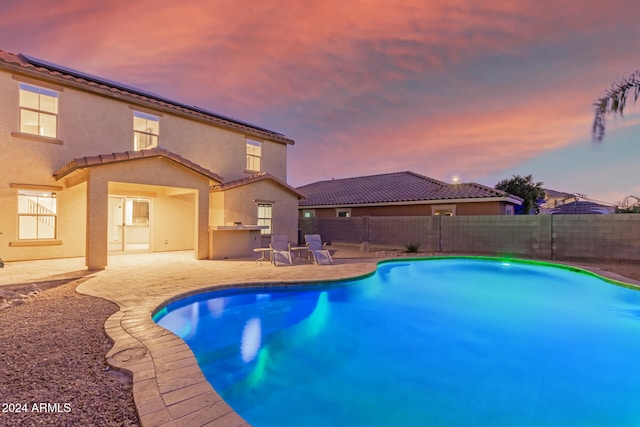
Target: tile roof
[[582, 207], [62, 75], [255, 178], [393, 188], [103, 159]]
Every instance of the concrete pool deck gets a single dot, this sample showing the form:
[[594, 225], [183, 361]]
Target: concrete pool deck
[[168, 387]]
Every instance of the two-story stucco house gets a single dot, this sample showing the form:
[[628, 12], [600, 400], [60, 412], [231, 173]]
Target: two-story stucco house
[[90, 167]]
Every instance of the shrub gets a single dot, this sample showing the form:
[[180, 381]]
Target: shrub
[[412, 247]]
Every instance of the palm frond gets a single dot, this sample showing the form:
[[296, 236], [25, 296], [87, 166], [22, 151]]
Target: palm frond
[[614, 102]]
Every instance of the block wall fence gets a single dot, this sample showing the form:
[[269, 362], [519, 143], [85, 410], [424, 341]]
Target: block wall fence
[[613, 237]]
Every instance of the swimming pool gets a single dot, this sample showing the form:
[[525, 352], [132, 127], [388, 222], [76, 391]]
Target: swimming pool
[[441, 342]]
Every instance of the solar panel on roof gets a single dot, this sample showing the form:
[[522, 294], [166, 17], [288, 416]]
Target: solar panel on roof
[[80, 74], [87, 76]]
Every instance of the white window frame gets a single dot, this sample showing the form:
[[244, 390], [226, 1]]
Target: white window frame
[[42, 214], [343, 212], [147, 132], [254, 155], [445, 210], [308, 213], [266, 218], [41, 112]]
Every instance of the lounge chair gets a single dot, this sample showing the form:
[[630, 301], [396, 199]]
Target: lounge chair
[[317, 249], [280, 252]]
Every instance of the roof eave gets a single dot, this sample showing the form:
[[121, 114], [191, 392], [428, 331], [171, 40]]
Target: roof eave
[[134, 99], [107, 159], [254, 179], [415, 202]]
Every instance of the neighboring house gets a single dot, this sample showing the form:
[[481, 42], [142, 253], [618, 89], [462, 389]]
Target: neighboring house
[[582, 207], [401, 194], [92, 167], [555, 198], [560, 203]]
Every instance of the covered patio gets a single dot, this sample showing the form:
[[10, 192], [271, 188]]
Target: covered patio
[[169, 193]]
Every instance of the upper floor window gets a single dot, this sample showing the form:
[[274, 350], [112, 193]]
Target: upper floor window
[[254, 153], [37, 215], [343, 213], [38, 111], [146, 131]]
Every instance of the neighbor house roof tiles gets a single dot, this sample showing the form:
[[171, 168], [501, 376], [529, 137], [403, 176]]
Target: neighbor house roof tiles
[[41, 69], [392, 188], [581, 207]]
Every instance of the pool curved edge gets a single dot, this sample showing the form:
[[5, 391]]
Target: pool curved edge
[[602, 275], [168, 386], [262, 285], [606, 276]]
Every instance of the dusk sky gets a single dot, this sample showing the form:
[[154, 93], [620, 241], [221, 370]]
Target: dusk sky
[[481, 90]]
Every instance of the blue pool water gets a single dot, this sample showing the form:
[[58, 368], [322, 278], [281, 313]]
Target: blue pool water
[[449, 342]]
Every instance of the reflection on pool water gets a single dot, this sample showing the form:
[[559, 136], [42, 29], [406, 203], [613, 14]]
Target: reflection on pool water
[[445, 342]]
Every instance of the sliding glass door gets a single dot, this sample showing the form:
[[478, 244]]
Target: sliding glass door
[[129, 224]]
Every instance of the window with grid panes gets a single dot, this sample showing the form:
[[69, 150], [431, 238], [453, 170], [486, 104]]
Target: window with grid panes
[[254, 154], [265, 215], [37, 215], [38, 111], [146, 131]]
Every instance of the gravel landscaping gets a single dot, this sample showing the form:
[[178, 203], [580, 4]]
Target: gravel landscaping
[[52, 360]]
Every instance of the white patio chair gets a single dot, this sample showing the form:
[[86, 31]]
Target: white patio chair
[[318, 250], [280, 252]]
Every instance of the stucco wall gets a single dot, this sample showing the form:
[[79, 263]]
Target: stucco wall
[[475, 208], [240, 204], [173, 222], [480, 208], [71, 221], [91, 124]]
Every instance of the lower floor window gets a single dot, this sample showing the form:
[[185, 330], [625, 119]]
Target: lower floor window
[[37, 215], [443, 210], [265, 215]]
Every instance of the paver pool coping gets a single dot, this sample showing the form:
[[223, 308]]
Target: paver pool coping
[[168, 386]]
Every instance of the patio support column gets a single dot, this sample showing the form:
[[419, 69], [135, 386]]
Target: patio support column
[[97, 222], [202, 224]]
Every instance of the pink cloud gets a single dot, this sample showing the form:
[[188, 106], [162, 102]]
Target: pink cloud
[[365, 85]]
